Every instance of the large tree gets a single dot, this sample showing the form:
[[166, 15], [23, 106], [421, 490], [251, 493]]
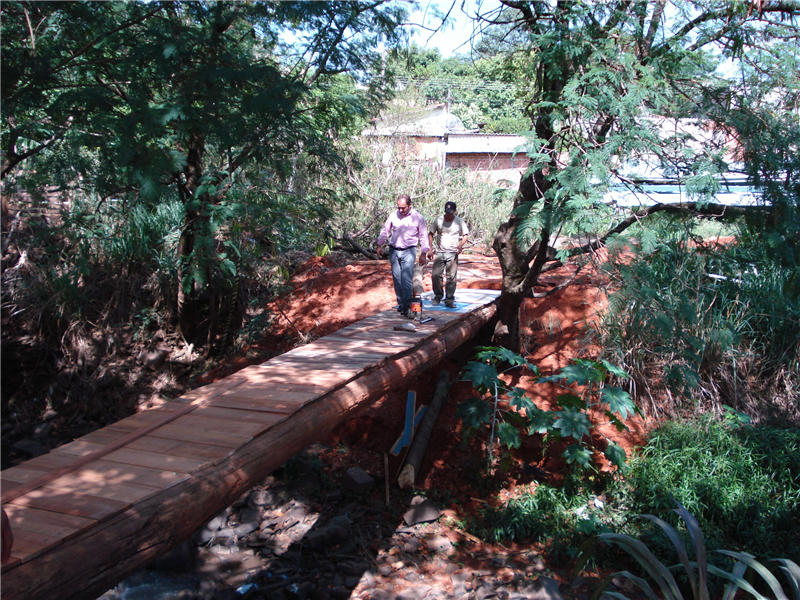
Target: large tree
[[609, 82], [146, 101]]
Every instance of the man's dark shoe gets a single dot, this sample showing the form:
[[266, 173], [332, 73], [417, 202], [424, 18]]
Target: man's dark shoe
[[450, 303], [436, 300]]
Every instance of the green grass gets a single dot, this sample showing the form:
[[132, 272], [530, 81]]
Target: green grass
[[741, 483]]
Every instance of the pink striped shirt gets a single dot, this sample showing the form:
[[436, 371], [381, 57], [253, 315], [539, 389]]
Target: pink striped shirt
[[405, 231]]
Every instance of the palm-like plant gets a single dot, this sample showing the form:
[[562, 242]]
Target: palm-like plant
[[697, 572]]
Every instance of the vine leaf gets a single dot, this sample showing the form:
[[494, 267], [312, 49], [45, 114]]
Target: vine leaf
[[508, 435], [541, 421], [616, 455], [615, 370], [576, 453], [619, 401], [521, 402], [474, 413], [482, 376], [572, 423]]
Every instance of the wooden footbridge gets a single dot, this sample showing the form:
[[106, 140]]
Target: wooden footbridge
[[91, 512]]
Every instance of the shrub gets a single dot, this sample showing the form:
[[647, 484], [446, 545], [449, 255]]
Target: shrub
[[707, 326], [742, 483]]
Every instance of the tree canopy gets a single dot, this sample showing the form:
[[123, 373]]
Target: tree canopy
[[608, 81], [199, 101]]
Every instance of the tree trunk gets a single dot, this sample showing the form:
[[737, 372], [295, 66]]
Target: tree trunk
[[417, 451], [189, 307]]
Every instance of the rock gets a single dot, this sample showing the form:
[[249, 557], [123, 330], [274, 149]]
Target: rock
[[244, 529], [417, 592], [334, 533], [225, 536], [340, 593], [42, 430], [382, 595], [368, 580], [483, 592], [543, 588], [219, 521], [153, 358], [250, 515], [498, 562], [439, 543], [357, 480], [537, 565], [202, 536], [299, 591], [353, 567], [258, 499], [335, 496], [422, 512], [459, 581], [31, 447]]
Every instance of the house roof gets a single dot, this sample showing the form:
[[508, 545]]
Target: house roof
[[492, 143]]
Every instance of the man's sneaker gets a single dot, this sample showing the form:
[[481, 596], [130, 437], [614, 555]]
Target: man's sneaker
[[450, 303], [436, 300]]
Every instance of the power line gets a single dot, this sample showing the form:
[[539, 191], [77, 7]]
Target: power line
[[458, 83]]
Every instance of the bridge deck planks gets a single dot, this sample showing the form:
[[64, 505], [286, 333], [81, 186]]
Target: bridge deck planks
[[208, 425]]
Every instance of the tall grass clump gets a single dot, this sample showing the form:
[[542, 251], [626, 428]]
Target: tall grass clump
[[380, 172], [94, 263], [551, 516], [705, 325], [741, 482]]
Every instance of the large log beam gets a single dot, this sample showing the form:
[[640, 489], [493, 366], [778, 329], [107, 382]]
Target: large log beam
[[84, 567]]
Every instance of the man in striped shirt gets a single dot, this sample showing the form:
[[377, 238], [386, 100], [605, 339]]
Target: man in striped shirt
[[404, 229]]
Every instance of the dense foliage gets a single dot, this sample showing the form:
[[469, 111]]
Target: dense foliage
[[483, 92], [142, 105], [706, 325], [741, 482]]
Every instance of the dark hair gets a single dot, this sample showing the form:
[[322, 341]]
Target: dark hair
[[405, 197]]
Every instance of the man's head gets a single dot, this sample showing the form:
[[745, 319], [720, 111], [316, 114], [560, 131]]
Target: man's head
[[449, 211], [404, 204]]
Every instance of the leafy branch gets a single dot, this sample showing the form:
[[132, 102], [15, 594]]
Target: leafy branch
[[523, 417]]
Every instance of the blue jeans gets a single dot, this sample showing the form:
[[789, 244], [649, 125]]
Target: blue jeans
[[402, 262]]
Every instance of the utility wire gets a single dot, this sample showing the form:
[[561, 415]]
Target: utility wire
[[457, 83]]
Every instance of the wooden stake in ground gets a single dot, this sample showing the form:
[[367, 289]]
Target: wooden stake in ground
[[417, 451]]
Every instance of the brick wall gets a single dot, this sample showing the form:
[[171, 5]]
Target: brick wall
[[497, 168]]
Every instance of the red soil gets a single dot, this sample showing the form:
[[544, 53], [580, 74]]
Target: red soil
[[327, 296]]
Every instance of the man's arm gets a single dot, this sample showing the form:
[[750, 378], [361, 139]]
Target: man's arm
[[384, 234], [463, 241], [464, 235]]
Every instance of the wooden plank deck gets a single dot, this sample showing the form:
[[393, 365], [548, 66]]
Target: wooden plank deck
[[77, 511]]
